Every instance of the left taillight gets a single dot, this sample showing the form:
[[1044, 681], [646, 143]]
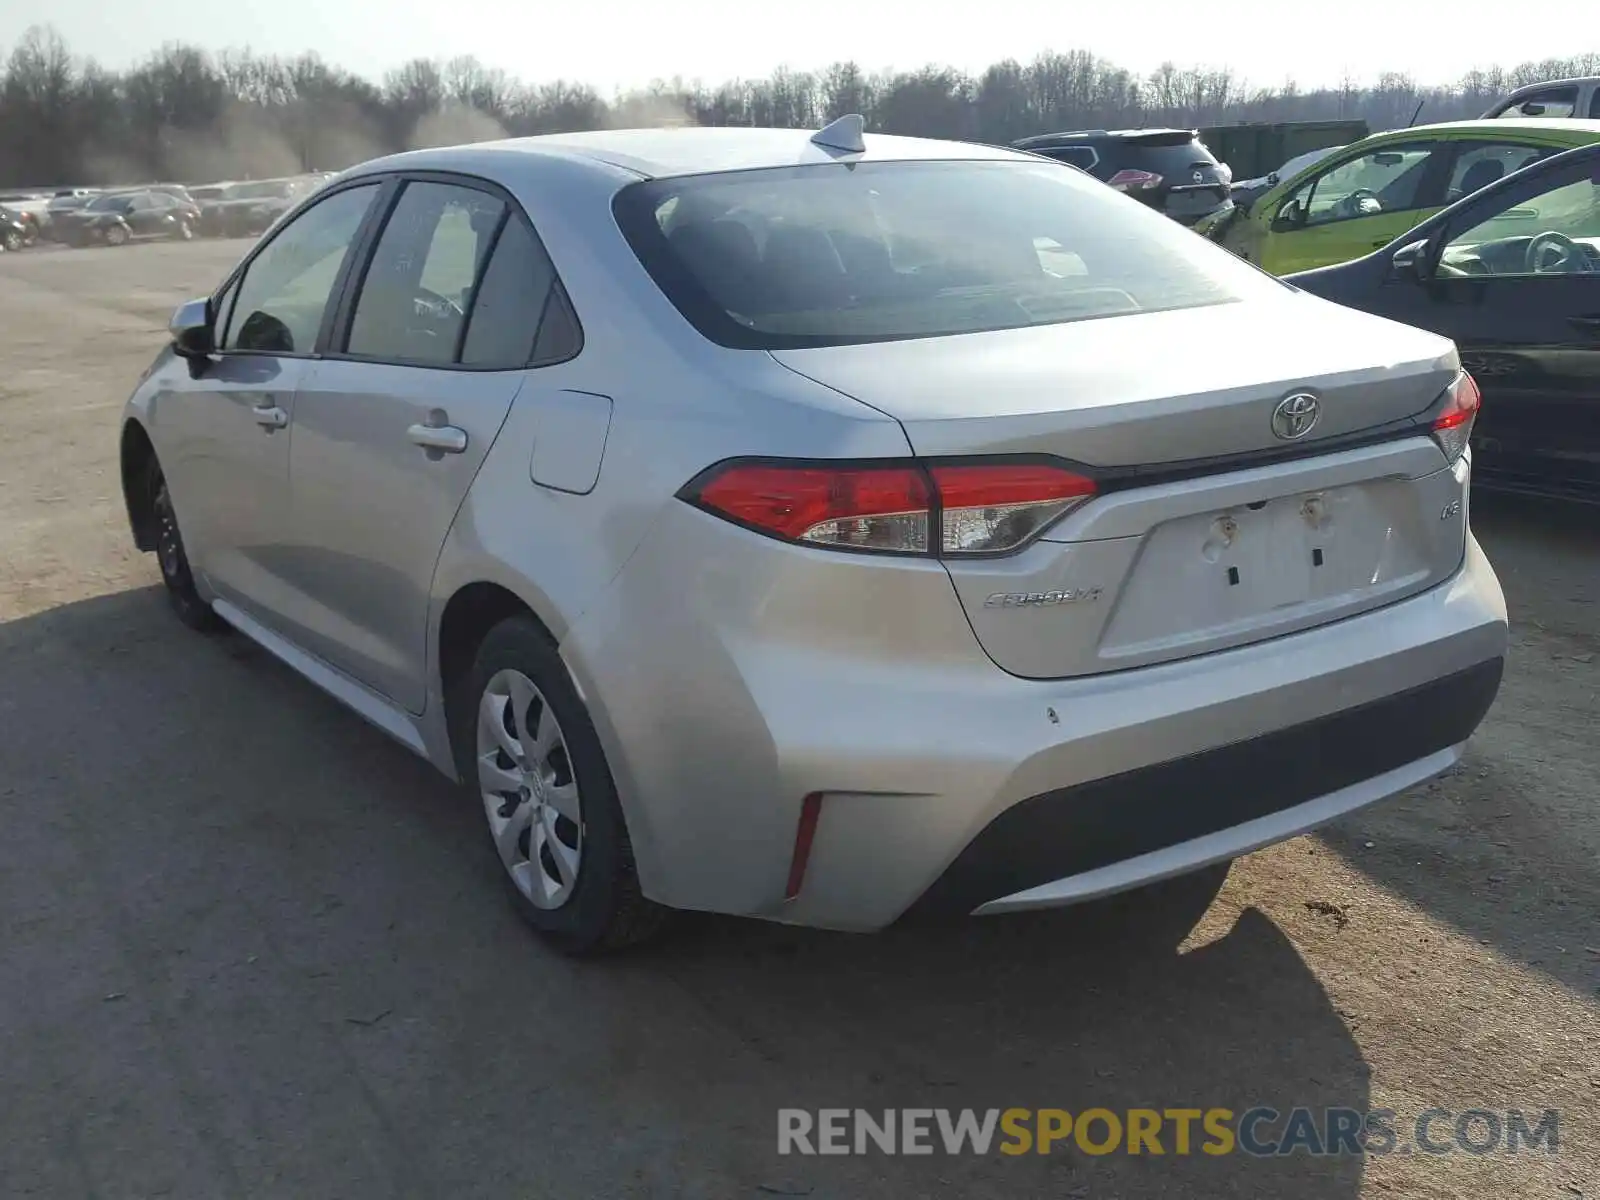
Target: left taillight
[[947, 509], [1134, 181], [1452, 428]]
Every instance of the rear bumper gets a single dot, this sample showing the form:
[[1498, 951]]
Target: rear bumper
[[725, 697], [1153, 821]]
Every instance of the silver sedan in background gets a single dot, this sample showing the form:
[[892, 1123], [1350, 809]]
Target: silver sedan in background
[[823, 528]]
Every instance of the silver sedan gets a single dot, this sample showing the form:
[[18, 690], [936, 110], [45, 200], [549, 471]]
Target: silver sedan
[[823, 527]]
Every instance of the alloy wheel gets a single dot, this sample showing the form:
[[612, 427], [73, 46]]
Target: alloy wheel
[[169, 544], [530, 794]]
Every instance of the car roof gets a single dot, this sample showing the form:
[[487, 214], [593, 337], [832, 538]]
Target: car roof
[[1084, 135], [1571, 80], [691, 150], [1551, 127]]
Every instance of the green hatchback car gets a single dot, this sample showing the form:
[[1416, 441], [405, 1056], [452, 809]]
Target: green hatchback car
[[1370, 192]]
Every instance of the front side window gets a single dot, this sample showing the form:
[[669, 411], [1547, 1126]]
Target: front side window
[[279, 304], [1556, 232], [1380, 181], [831, 254], [413, 301]]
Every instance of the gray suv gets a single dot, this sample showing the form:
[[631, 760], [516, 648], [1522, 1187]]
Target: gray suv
[[822, 528]]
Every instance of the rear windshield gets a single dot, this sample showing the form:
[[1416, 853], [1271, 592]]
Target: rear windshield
[[1173, 156], [837, 253]]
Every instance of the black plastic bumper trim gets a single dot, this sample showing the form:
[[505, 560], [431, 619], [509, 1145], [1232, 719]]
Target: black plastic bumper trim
[[1066, 832]]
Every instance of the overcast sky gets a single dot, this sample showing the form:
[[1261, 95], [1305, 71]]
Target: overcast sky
[[613, 43]]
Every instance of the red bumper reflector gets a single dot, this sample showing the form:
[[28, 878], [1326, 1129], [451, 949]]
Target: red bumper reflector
[[810, 810]]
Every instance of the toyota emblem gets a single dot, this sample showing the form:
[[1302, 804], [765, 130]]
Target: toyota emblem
[[1295, 416], [1199, 177]]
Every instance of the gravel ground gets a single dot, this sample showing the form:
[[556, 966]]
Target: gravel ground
[[252, 949]]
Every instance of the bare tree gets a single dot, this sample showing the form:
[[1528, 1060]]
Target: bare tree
[[184, 112]]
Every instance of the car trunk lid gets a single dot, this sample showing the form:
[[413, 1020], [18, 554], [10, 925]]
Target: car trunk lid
[[1211, 531], [1144, 390]]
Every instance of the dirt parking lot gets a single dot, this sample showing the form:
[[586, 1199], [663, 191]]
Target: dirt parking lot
[[252, 949]]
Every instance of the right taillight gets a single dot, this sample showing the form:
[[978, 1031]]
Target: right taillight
[[948, 509], [1452, 428]]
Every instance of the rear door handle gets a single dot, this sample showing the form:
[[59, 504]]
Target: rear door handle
[[438, 439], [270, 416], [1587, 324]]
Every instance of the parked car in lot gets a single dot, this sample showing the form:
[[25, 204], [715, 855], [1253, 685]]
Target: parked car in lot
[[755, 522], [1555, 98], [1512, 274], [16, 229], [212, 200], [115, 218], [68, 200], [28, 211], [249, 209], [1374, 190], [1169, 169]]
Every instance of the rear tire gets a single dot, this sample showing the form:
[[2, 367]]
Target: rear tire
[[186, 600], [13, 240], [116, 236], [525, 747]]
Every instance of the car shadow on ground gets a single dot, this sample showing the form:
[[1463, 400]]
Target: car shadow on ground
[[1506, 847], [252, 948]]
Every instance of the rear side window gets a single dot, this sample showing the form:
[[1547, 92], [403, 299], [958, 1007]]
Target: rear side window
[[1477, 166], [830, 254], [1082, 157], [413, 300], [510, 302]]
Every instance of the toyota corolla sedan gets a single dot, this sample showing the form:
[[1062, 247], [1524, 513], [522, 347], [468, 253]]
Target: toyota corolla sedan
[[826, 528]]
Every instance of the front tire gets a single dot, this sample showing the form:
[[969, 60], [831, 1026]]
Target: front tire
[[14, 241], [528, 751], [116, 236], [186, 600]]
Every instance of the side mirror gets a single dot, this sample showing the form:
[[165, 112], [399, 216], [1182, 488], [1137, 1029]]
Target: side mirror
[[1413, 262], [1290, 215], [191, 329]]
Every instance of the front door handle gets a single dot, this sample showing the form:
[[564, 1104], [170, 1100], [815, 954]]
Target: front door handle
[[270, 416], [1587, 324], [438, 439]]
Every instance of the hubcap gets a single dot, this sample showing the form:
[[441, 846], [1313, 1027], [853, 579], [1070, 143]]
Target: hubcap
[[530, 794]]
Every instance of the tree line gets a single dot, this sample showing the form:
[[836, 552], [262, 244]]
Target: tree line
[[184, 114]]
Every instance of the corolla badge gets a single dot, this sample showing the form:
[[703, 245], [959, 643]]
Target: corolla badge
[[1050, 599], [1295, 416]]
